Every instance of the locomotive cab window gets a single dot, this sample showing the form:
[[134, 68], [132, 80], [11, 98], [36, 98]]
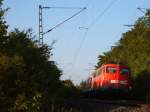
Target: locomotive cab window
[[94, 74], [98, 72], [111, 70], [124, 71]]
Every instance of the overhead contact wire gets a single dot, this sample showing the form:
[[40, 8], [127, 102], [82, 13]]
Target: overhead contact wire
[[64, 21], [101, 14], [80, 46]]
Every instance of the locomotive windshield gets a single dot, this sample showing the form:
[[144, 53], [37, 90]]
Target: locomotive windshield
[[111, 70], [124, 71]]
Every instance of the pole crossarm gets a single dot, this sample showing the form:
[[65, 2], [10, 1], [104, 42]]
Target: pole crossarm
[[128, 25], [142, 9], [63, 7]]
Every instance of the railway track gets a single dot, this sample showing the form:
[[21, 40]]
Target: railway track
[[117, 102], [95, 105]]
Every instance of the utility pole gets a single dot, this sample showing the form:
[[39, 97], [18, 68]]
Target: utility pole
[[142, 9], [41, 32], [40, 26]]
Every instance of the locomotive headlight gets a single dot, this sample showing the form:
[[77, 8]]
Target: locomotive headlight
[[114, 81]]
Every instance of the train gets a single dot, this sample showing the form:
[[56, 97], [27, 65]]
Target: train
[[109, 78]]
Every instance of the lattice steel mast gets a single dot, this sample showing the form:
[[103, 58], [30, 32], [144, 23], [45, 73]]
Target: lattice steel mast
[[40, 26], [41, 33]]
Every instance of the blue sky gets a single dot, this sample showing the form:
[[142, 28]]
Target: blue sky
[[76, 50]]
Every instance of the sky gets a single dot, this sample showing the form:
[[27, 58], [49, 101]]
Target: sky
[[76, 49]]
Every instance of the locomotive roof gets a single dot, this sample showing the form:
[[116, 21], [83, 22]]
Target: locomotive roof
[[112, 64], [108, 64]]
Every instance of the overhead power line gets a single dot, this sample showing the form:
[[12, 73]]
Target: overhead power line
[[41, 32], [81, 44], [101, 14], [65, 21], [87, 29], [143, 10]]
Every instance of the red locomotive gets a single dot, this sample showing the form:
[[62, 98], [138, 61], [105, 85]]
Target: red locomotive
[[110, 76]]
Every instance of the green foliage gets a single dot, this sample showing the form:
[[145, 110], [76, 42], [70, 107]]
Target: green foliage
[[69, 89], [83, 85], [3, 26], [140, 86], [133, 50], [68, 83], [29, 81]]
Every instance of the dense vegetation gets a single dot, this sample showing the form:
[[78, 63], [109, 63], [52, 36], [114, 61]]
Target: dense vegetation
[[133, 50], [29, 81]]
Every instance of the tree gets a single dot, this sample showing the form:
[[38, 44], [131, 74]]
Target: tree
[[140, 90], [133, 50], [69, 89], [3, 27], [28, 80], [133, 47]]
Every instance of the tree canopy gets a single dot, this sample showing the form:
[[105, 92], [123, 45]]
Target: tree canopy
[[29, 80], [133, 47], [133, 50]]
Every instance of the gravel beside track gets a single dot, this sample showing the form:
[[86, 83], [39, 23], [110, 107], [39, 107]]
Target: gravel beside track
[[94, 105]]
